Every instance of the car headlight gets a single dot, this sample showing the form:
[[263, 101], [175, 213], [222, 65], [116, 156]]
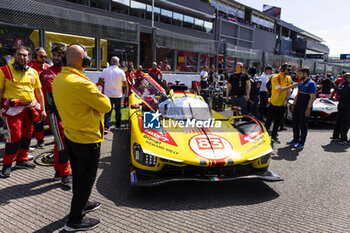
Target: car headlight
[[143, 158], [266, 158]]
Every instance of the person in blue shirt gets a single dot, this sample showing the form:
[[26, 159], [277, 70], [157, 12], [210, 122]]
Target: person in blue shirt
[[301, 108]]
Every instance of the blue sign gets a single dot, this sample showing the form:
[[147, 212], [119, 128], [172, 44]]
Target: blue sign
[[151, 120], [344, 56]]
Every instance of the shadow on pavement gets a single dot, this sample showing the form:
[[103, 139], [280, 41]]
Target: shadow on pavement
[[114, 185], [53, 226], [334, 147], [27, 190], [288, 153]]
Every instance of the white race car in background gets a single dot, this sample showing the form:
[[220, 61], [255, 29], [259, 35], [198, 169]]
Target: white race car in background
[[323, 109]]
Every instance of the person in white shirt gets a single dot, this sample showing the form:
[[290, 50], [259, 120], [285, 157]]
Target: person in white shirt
[[114, 80], [264, 93], [204, 77]]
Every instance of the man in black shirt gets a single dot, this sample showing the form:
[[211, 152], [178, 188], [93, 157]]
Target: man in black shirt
[[343, 117], [240, 84], [327, 85]]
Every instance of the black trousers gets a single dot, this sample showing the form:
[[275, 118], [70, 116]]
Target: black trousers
[[203, 84], [253, 108], [84, 160], [343, 123], [275, 114], [263, 103], [300, 126]]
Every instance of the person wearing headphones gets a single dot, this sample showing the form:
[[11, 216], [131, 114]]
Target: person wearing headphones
[[23, 105], [37, 62], [281, 85], [80, 104], [61, 160]]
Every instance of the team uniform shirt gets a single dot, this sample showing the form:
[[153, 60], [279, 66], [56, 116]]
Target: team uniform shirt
[[277, 81], [254, 90], [155, 72], [47, 78], [344, 94], [37, 66], [204, 74], [264, 79], [304, 90], [129, 75], [238, 84], [139, 74], [20, 84], [79, 104], [114, 77]]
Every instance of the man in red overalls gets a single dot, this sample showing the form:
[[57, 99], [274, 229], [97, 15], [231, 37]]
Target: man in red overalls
[[38, 63], [138, 73], [61, 160], [155, 72], [20, 91]]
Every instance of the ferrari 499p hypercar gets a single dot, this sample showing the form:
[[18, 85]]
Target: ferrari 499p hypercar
[[177, 137]]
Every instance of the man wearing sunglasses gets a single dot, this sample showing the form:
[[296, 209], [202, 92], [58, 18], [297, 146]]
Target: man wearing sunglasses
[[38, 63]]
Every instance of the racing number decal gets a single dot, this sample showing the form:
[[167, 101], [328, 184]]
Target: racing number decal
[[204, 143], [211, 146]]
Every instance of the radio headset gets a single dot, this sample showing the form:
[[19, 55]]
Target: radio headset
[[86, 59], [284, 66], [18, 66]]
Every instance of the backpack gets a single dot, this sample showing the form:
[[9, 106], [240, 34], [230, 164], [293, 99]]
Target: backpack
[[269, 85]]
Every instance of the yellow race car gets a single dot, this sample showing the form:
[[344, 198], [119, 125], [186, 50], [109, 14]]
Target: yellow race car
[[177, 137]]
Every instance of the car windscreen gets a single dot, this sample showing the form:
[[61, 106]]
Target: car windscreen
[[184, 108]]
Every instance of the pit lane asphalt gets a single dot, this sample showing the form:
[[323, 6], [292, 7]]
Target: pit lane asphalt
[[314, 196]]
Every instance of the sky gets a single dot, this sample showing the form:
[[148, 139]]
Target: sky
[[323, 18]]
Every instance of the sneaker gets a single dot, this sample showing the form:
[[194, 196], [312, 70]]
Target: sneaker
[[292, 142], [91, 206], [343, 142], [57, 176], [276, 140], [299, 146], [25, 164], [40, 144], [6, 171], [66, 180], [32, 148], [30, 157], [106, 131], [84, 225]]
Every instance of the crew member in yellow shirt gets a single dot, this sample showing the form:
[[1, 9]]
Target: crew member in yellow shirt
[[281, 85], [80, 105], [22, 105]]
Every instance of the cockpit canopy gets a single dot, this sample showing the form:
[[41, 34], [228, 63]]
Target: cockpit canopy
[[185, 108]]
